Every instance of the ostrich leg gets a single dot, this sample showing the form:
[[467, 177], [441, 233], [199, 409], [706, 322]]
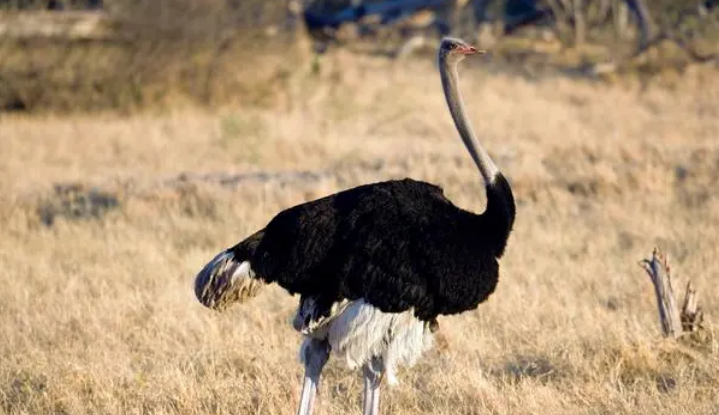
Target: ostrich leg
[[372, 374], [314, 354]]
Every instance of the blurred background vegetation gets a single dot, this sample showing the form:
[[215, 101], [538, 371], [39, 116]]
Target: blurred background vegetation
[[90, 55]]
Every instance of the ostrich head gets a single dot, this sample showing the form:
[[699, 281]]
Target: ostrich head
[[454, 50]]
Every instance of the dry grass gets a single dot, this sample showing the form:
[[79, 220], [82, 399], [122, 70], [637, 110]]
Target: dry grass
[[97, 315], [141, 54]]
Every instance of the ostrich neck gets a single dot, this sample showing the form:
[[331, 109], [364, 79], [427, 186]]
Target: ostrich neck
[[480, 156]]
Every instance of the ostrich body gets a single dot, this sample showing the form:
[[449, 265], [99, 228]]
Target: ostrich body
[[374, 265]]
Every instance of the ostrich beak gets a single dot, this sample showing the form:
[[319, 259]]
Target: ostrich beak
[[470, 50]]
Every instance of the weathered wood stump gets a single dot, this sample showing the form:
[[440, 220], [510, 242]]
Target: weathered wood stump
[[674, 322]]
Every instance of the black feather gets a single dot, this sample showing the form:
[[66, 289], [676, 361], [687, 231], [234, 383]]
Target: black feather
[[396, 244]]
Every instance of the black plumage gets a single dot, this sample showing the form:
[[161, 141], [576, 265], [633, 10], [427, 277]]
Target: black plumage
[[396, 244]]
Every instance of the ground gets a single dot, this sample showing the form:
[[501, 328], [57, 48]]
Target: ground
[[97, 310]]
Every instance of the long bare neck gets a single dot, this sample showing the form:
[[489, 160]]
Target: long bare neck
[[448, 72]]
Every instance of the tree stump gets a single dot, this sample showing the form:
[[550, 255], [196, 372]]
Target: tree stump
[[674, 322]]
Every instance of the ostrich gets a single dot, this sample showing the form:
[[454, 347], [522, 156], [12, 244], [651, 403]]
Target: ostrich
[[375, 265]]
